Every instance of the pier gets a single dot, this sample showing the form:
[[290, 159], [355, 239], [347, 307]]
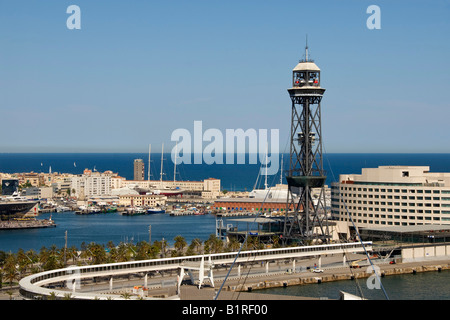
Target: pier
[[26, 224]]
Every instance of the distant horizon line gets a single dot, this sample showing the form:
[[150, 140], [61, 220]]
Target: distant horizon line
[[128, 152]]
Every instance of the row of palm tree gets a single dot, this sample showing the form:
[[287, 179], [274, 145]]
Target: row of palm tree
[[16, 266]]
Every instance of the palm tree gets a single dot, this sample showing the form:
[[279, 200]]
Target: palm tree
[[162, 246], [72, 252], [213, 244], [9, 268], [98, 253], [2, 272], [23, 261], [194, 247], [179, 244], [67, 296], [233, 245], [143, 250], [10, 294], [126, 295], [197, 244], [110, 245], [52, 296], [122, 253], [49, 258]]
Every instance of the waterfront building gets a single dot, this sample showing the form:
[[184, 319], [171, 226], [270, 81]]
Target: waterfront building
[[9, 186], [271, 200], [116, 182], [63, 184], [251, 205], [30, 178], [208, 188], [139, 173], [392, 196], [91, 184], [142, 200]]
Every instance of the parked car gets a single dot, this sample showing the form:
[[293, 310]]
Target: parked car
[[317, 270]]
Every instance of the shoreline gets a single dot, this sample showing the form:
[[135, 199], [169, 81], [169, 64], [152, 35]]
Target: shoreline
[[338, 274], [26, 224]]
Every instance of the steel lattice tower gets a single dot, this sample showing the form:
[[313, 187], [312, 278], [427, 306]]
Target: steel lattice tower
[[306, 219]]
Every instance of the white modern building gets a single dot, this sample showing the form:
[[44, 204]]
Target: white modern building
[[92, 184], [392, 196], [208, 188]]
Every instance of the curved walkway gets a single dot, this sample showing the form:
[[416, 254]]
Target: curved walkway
[[67, 282]]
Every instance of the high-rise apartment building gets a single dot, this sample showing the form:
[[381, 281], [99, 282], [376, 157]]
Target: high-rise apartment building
[[139, 173], [91, 184], [392, 196]]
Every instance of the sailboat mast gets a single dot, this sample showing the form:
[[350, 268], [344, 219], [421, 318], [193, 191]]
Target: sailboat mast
[[265, 183], [162, 159], [281, 170], [175, 164], [148, 174]]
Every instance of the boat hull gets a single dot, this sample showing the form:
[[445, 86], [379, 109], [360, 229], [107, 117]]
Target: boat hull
[[14, 210]]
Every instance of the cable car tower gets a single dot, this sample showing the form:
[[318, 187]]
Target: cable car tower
[[306, 218]]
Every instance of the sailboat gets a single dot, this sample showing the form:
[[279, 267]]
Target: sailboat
[[278, 192], [167, 191]]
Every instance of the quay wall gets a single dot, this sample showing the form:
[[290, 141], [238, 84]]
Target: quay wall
[[295, 279]]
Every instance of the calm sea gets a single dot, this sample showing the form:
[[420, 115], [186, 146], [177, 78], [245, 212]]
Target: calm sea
[[238, 177]]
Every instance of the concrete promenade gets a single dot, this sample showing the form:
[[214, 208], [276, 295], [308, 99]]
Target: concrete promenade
[[238, 288]]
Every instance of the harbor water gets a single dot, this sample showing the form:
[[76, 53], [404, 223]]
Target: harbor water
[[102, 228], [419, 286]]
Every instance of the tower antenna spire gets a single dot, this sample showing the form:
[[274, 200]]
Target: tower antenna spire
[[306, 49]]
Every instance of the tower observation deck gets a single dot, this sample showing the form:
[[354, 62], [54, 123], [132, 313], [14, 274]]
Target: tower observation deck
[[307, 223]]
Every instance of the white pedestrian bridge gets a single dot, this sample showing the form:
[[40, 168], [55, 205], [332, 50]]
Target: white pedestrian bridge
[[61, 283]]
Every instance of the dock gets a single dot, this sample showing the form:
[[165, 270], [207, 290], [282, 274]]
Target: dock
[[26, 224]]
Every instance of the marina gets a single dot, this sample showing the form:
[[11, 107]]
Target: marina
[[102, 228]]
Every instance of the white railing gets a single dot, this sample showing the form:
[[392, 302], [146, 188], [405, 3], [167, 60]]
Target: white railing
[[31, 287]]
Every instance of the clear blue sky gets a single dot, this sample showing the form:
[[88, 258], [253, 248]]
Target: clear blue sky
[[137, 70]]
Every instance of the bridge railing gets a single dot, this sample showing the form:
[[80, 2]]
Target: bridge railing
[[32, 285]]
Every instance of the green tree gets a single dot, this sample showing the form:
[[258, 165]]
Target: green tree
[[233, 245], [9, 268], [143, 250], [180, 244], [195, 247], [213, 244], [276, 242], [97, 253], [50, 258], [162, 246]]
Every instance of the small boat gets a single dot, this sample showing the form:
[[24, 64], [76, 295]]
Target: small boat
[[134, 211], [62, 209], [155, 210], [94, 209]]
